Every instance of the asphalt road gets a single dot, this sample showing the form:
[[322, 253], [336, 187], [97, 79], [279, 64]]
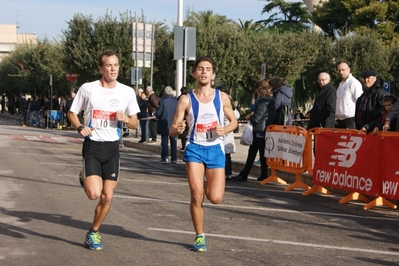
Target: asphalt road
[[44, 215]]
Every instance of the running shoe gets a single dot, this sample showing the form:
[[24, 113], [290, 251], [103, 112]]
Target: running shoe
[[81, 178], [199, 244], [257, 162], [93, 241]]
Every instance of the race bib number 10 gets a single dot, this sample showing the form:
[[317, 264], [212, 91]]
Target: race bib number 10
[[104, 119], [207, 131]]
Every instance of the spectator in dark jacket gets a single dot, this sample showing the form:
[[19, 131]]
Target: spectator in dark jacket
[[283, 95], [38, 106], [323, 112], [392, 114], [262, 117], [46, 108], [377, 125], [143, 115], [3, 103], [298, 117], [165, 114], [55, 104], [153, 104], [69, 101], [369, 105]]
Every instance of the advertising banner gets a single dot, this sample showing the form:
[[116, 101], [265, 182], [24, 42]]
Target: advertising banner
[[284, 146], [349, 161], [390, 168]]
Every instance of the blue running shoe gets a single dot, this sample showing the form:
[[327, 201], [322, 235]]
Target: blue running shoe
[[81, 178], [93, 241], [199, 244]]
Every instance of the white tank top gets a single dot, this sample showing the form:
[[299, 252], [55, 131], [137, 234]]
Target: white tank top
[[203, 118]]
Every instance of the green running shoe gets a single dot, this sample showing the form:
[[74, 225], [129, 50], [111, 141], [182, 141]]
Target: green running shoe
[[93, 241], [200, 243]]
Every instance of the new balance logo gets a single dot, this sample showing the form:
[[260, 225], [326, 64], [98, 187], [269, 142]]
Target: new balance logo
[[346, 155]]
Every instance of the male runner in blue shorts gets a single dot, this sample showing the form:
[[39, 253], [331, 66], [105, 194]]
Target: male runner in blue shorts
[[205, 109], [106, 104]]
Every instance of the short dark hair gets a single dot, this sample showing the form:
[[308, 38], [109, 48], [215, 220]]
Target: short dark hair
[[205, 58], [106, 53], [276, 83], [184, 90], [391, 98]]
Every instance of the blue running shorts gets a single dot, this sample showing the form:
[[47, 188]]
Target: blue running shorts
[[211, 156]]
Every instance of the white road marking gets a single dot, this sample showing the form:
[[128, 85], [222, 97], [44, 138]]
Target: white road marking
[[281, 242], [28, 137], [60, 139]]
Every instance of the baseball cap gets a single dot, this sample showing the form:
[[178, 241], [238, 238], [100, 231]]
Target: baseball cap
[[368, 73]]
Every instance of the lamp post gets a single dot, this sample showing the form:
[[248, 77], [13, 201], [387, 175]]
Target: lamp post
[[179, 63]]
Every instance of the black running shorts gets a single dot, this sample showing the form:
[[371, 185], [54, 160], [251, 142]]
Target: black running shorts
[[101, 158]]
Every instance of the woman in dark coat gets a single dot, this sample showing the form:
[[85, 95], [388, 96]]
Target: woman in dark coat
[[262, 117]]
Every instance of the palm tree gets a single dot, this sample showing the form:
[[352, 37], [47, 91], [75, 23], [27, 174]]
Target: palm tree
[[248, 26], [291, 17], [207, 19]]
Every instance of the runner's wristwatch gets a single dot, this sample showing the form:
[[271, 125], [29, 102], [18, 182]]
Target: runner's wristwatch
[[80, 128]]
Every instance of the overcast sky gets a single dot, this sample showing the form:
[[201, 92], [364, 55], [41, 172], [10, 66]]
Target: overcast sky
[[47, 18]]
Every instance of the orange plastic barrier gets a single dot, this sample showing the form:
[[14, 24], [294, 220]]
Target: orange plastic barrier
[[284, 165], [312, 136]]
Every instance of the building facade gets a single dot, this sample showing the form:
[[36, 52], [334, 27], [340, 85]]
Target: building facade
[[9, 38]]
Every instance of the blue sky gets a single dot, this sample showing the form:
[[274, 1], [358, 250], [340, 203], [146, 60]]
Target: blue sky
[[47, 18]]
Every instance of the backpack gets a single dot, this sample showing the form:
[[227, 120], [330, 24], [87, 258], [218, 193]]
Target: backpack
[[281, 114]]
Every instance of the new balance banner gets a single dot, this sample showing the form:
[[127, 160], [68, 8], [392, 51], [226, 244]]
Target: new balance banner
[[349, 161], [390, 168]]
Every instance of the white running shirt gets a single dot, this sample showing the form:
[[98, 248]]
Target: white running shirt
[[100, 105]]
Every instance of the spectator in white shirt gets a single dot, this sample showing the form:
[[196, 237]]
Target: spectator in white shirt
[[348, 91]]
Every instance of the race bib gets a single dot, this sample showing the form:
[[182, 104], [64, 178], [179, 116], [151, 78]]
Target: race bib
[[207, 131], [104, 119]]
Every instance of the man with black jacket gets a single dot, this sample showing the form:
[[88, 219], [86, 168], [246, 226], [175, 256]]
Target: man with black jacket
[[369, 105], [323, 112], [39, 104]]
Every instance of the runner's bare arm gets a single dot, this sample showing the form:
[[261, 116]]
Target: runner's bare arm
[[179, 124], [86, 131], [131, 121]]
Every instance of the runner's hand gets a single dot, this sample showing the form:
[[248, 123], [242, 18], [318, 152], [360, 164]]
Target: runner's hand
[[120, 115]]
